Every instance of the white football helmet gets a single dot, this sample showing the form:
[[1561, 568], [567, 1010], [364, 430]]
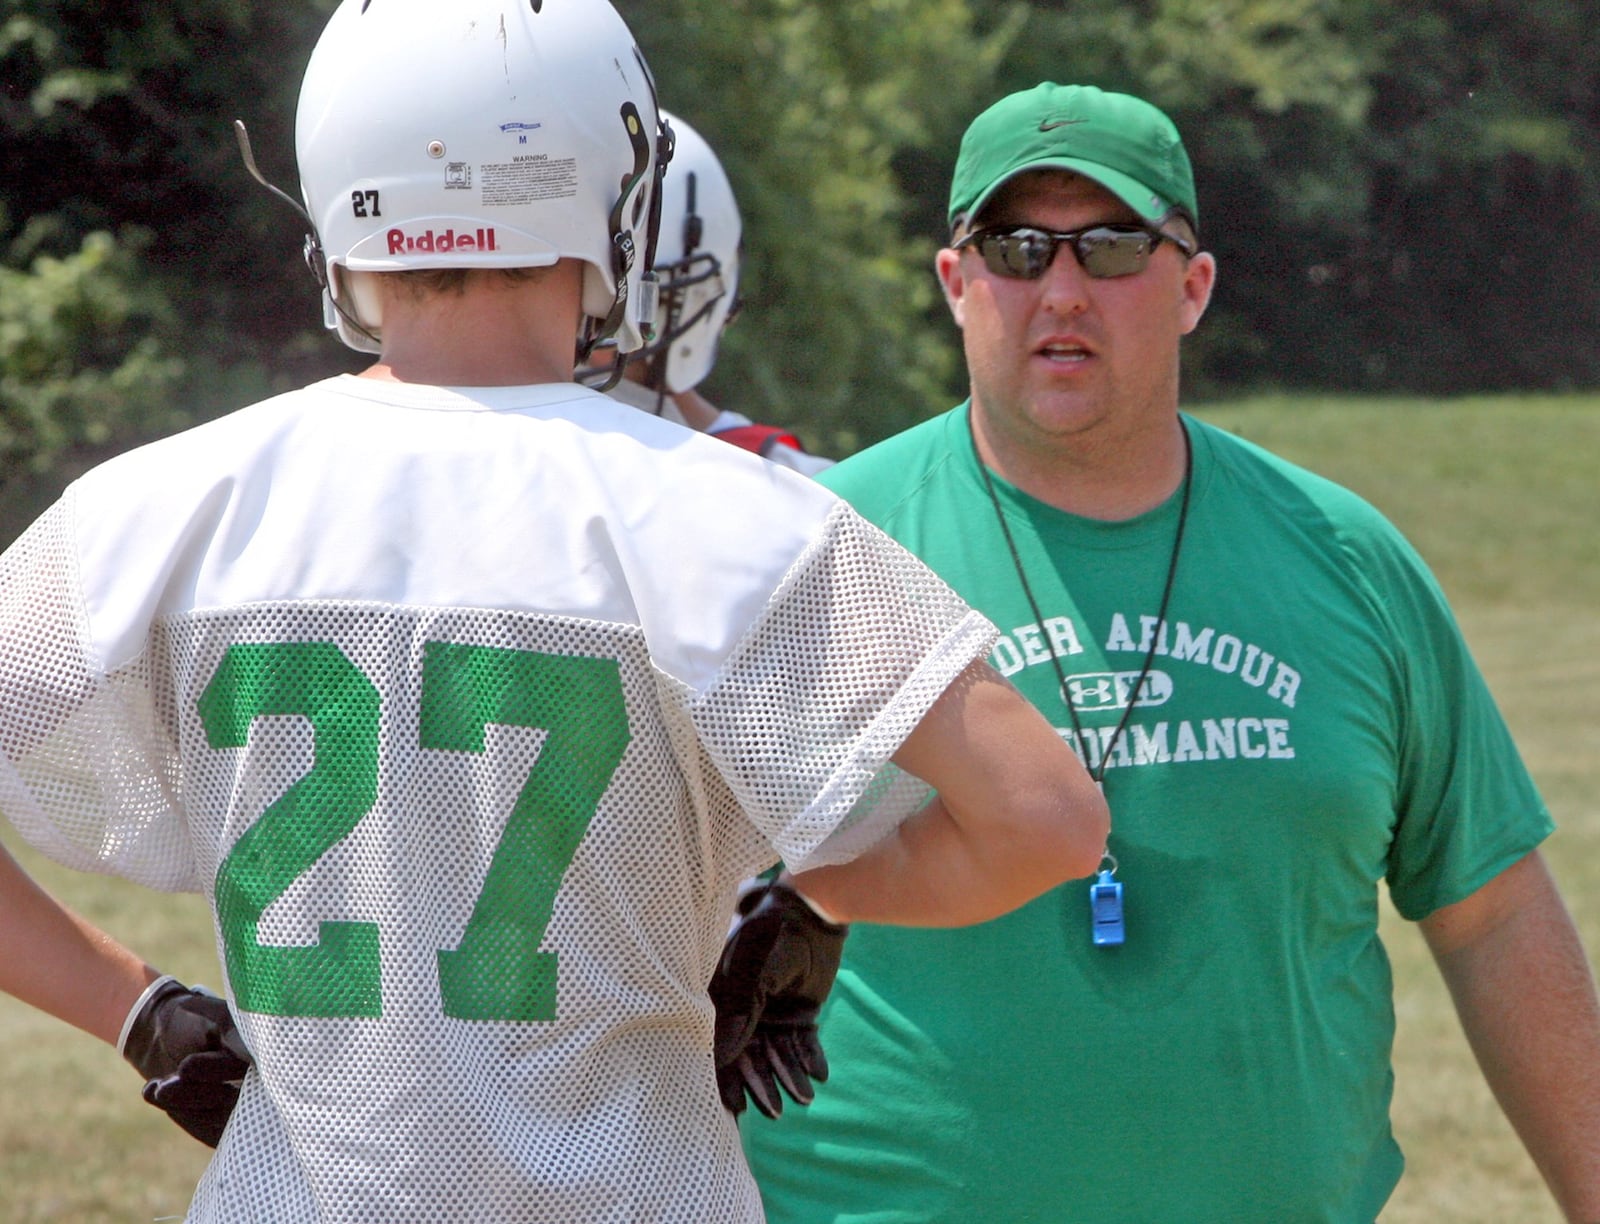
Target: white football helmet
[[697, 261], [481, 135]]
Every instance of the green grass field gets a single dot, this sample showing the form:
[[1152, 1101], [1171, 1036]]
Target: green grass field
[[1498, 493]]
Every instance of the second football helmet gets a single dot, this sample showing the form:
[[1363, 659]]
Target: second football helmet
[[697, 261]]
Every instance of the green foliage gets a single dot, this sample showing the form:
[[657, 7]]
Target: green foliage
[[83, 369], [1385, 184], [1401, 196], [835, 287], [115, 120], [75, 366], [1479, 267], [122, 115]]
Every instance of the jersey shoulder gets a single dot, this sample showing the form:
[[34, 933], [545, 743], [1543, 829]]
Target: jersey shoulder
[[1301, 515], [1284, 490]]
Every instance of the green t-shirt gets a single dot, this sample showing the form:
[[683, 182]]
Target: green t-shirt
[[1312, 724]]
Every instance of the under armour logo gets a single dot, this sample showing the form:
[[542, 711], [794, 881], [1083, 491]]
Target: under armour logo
[[1084, 694], [1117, 690], [1050, 125]]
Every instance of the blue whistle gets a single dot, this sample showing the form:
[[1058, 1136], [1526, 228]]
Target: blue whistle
[[1105, 911]]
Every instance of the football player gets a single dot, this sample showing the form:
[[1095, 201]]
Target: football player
[[467, 696]]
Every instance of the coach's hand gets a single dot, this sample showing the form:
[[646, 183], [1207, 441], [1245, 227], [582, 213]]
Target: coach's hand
[[776, 969], [184, 1042]]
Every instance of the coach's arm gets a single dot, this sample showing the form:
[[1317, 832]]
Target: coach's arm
[[1015, 814], [1525, 993]]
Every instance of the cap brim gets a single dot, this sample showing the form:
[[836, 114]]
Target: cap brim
[[1130, 191]]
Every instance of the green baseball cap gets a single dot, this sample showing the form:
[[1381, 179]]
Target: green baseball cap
[[1121, 142]]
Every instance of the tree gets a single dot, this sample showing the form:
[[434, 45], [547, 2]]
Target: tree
[[1385, 184], [1481, 266], [1402, 196], [148, 283], [80, 371], [813, 106]]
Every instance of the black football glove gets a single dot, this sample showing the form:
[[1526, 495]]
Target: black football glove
[[776, 969], [185, 1044]]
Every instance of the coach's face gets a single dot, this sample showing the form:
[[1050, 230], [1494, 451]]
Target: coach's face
[[1067, 360]]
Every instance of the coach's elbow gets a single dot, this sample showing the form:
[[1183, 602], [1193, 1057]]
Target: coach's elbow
[[1090, 827], [1061, 836], [1039, 844]]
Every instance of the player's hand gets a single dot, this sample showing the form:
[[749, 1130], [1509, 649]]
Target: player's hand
[[776, 970], [184, 1042]]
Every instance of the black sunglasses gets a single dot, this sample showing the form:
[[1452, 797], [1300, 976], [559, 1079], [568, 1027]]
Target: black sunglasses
[[1023, 252]]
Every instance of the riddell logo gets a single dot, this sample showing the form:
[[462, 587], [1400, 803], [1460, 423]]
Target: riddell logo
[[428, 240]]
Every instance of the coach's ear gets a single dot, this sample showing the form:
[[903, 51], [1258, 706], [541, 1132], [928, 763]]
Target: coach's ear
[[947, 263], [1199, 278]]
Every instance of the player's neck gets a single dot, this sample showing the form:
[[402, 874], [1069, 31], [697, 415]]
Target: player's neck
[[460, 368], [491, 333]]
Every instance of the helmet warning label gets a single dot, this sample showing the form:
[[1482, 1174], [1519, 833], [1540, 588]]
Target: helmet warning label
[[529, 178]]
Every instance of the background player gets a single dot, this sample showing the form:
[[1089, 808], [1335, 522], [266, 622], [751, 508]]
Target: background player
[[698, 256]]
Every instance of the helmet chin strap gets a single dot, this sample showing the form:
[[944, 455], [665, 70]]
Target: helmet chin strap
[[612, 378], [315, 259]]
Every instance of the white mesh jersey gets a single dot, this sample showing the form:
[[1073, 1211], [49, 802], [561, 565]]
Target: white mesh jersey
[[467, 710]]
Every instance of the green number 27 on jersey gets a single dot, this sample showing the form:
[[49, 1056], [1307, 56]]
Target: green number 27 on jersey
[[497, 972]]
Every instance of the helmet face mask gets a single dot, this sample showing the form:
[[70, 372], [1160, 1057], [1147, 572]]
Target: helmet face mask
[[696, 263], [479, 135]]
